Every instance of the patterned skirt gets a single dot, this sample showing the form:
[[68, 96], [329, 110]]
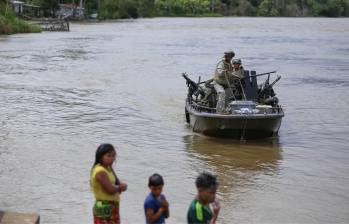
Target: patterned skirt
[[106, 212]]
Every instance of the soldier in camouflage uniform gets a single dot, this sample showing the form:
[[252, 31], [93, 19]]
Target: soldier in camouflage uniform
[[238, 70], [239, 78], [222, 78]]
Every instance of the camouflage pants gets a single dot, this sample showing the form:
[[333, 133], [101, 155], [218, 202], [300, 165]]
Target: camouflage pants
[[221, 97]]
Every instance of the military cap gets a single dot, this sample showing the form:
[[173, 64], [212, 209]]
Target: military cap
[[230, 52], [237, 61]]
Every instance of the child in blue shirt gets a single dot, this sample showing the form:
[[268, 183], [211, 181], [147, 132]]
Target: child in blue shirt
[[156, 207]]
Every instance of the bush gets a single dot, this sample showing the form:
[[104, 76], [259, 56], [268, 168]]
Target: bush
[[333, 8], [10, 24], [5, 27], [114, 9], [245, 8]]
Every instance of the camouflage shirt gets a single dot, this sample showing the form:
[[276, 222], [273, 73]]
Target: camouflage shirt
[[239, 73], [223, 73]]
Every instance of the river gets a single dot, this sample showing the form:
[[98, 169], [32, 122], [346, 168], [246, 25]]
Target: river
[[64, 93]]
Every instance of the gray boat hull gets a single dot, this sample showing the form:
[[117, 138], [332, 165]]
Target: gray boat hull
[[241, 126]]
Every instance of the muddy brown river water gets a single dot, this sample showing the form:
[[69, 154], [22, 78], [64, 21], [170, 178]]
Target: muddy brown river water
[[62, 94]]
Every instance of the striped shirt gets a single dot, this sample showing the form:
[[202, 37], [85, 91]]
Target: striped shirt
[[198, 213]]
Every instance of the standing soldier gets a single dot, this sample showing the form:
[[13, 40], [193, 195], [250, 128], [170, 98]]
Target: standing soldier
[[222, 79], [239, 77]]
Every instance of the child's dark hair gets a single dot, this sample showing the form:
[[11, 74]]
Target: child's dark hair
[[155, 180], [206, 180], [101, 151]]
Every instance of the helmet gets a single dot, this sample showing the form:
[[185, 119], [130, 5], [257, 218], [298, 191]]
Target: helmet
[[237, 61]]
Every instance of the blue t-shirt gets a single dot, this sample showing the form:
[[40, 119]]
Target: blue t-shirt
[[153, 203]]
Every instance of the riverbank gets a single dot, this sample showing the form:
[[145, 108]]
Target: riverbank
[[11, 24]]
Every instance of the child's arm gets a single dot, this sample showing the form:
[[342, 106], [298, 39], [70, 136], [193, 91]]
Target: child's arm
[[167, 213], [165, 205], [216, 207], [153, 217], [109, 187]]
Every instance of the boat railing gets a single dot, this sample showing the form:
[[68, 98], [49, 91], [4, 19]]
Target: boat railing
[[270, 110], [201, 108], [267, 110]]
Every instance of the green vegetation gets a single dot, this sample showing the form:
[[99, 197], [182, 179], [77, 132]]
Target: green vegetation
[[115, 9], [10, 23], [330, 8], [121, 9], [48, 6]]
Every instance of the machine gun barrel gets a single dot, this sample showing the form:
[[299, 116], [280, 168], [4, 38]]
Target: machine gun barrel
[[267, 73], [189, 81], [269, 86], [275, 81]]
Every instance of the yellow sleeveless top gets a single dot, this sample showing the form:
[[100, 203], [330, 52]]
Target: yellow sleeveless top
[[98, 191]]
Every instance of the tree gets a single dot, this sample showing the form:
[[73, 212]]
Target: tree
[[245, 8], [146, 8], [50, 6], [334, 8], [268, 8]]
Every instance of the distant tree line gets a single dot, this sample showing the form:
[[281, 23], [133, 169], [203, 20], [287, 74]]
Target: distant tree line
[[115, 9], [150, 8]]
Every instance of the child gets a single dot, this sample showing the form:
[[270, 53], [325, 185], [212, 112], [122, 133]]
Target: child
[[199, 211], [156, 207], [106, 186]]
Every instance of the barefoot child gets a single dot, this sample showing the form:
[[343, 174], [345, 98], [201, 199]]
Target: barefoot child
[[156, 207], [199, 211], [106, 186]]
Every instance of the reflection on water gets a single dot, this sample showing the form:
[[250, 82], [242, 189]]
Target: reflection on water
[[236, 163]]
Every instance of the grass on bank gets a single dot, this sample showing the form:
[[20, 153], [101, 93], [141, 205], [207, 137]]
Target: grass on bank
[[11, 24]]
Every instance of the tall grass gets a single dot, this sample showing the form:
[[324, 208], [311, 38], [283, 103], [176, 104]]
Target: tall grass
[[11, 24]]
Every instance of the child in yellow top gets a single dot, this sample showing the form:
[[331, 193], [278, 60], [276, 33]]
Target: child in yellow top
[[106, 186]]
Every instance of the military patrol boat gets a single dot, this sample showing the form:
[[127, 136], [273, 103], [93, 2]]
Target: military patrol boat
[[252, 111]]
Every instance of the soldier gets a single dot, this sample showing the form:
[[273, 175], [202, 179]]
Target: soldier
[[222, 79], [239, 77], [238, 70]]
